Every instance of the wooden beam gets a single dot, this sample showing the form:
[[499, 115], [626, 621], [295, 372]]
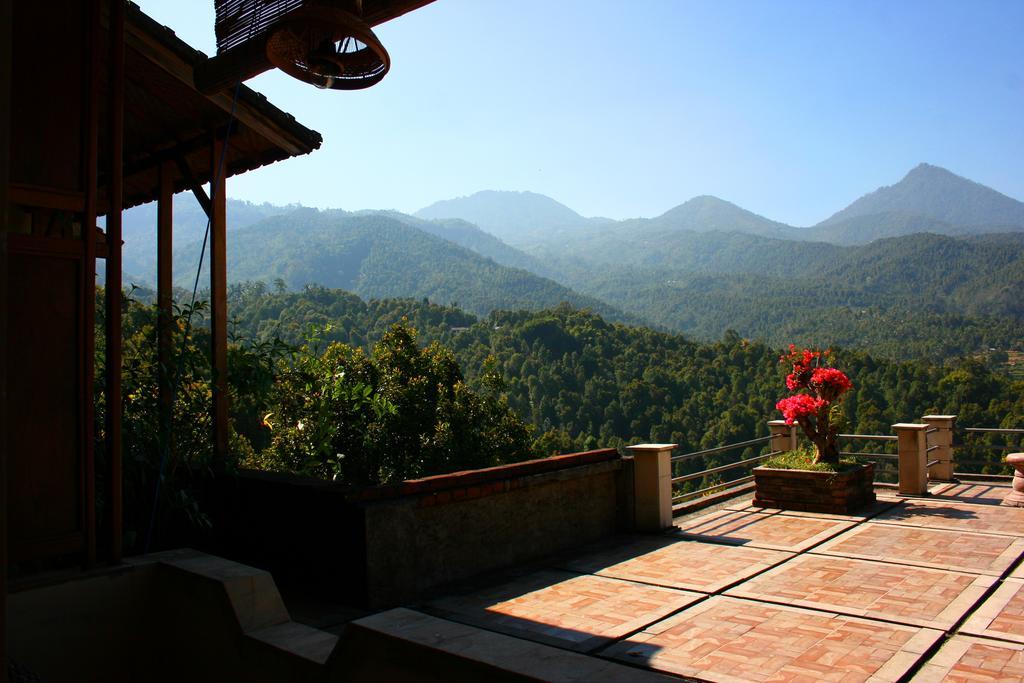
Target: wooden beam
[[177, 150], [87, 303], [49, 198], [113, 289], [193, 183], [218, 300], [164, 298], [242, 62]]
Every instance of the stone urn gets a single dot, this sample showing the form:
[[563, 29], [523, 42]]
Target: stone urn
[[1016, 497]]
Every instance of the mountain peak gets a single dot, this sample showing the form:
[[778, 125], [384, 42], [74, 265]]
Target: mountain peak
[[937, 194], [506, 214], [705, 213]]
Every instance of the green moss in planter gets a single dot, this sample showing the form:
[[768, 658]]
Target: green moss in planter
[[803, 459]]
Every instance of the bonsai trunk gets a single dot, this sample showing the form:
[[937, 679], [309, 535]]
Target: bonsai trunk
[[822, 437], [828, 452]]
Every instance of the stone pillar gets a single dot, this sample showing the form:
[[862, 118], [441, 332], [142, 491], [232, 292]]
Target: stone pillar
[[911, 442], [943, 438], [652, 485], [784, 437]]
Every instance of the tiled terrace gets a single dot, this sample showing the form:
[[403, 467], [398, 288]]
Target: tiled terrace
[[912, 589]]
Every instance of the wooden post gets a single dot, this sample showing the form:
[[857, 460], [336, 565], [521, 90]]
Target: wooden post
[[652, 485], [5, 167], [784, 437], [87, 330], [113, 289], [165, 301], [218, 300], [943, 438], [911, 443]]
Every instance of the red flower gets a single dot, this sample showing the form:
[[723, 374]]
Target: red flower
[[829, 382], [800, 406]]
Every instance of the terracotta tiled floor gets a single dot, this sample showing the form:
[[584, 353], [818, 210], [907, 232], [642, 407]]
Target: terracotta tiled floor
[[969, 660], [909, 595], [793, 596], [724, 639], [877, 508], [683, 564], [1002, 615], [974, 492], [577, 612], [945, 514], [939, 549], [774, 532]]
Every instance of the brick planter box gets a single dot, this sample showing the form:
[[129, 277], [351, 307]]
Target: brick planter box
[[832, 492]]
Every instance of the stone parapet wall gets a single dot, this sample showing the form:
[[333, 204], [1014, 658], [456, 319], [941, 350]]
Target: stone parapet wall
[[386, 545], [464, 524]]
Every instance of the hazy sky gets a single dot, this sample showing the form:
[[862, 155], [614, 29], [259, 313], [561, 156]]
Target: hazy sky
[[623, 109]]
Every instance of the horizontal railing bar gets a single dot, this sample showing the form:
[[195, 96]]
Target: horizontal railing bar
[[721, 449], [722, 468], [990, 429], [870, 437], [931, 430], [981, 462], [986, 446], [930, 463], [932, 448], [890, 456], [724, 485]]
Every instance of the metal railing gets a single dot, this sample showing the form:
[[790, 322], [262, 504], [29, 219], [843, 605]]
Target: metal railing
[[887, 472], [710, 471], [963, 445], [880, 472]]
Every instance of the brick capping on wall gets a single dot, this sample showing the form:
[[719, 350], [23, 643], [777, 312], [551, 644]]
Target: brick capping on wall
[[483, 481], [437, 483]]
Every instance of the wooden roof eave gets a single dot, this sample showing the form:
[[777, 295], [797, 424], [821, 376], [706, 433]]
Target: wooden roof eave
[[252, 108]]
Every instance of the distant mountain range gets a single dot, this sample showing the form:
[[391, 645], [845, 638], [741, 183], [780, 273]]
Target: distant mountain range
[[933, 252], [927, 199], [378, 255]]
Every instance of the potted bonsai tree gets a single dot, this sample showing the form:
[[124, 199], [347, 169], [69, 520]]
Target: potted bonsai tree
[[813, 479]]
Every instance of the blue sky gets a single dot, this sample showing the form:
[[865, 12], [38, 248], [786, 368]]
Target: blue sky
[[623, 109]]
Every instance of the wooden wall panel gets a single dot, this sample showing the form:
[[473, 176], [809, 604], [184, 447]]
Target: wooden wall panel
[[44, 456], [49, 65]]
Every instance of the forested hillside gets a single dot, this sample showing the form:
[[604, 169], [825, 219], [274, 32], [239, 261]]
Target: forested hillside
[[920, 296], [584, 382], [376, 256]]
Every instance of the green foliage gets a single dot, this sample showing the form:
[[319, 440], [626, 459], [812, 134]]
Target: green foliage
[[402, 413], [584, 383], [182, 448]]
